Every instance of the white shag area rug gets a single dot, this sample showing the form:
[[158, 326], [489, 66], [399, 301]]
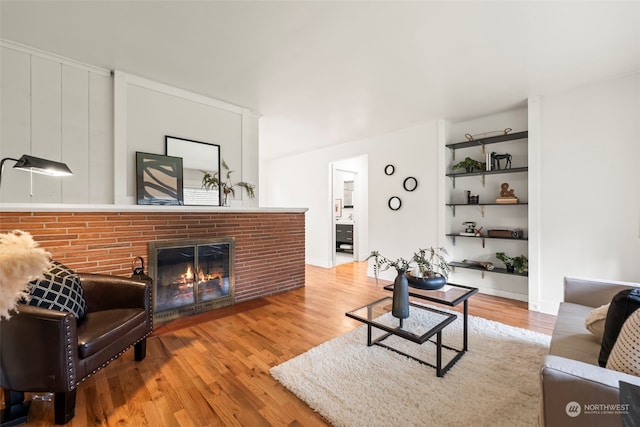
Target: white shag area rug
[[494, 384]]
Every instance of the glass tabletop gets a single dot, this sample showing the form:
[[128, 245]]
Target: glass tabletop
[[423, 322], [450, 294]]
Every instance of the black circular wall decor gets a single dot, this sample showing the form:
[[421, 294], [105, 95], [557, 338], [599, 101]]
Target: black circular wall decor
[[389, 170], [395, 203], [410, 183]]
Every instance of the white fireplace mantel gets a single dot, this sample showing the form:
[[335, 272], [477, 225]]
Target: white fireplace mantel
[[51, 207]]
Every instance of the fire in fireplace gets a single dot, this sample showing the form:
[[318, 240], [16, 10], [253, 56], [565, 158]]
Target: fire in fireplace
[[191, 276]]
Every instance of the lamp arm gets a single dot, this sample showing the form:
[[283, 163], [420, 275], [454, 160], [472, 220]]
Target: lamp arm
[[2, 166]]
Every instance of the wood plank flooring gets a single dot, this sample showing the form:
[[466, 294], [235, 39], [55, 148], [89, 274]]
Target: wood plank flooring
[[213, 369]]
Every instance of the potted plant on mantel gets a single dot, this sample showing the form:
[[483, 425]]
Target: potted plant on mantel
[[213, 180], [431, 273], [518, 264]]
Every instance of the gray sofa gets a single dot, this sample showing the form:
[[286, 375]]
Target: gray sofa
[[570, 375]]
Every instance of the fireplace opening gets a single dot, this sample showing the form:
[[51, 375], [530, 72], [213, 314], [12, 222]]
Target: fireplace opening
[[191, 276]]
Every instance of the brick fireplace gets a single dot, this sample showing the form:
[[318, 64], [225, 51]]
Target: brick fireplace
[[106, 239]]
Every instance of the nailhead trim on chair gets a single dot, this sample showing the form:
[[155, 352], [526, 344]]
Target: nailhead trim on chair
[[72, 373]]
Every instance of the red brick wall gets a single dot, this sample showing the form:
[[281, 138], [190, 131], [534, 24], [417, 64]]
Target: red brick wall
[[269, 255]]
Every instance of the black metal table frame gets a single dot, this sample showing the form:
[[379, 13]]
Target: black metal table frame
[[465, 310], [398, 331]]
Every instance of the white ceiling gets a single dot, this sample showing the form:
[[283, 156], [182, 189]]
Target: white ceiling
[[324, 73]]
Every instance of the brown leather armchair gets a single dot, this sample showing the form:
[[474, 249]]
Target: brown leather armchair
[[49, 351]]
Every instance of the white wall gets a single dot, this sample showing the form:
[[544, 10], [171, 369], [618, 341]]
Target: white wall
[[587, 211], [60, 110], [590, 197], [147, 111], [63, 110], [304, 181]]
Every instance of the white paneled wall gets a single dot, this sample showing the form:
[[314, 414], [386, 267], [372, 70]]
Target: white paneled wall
[[59, 110]]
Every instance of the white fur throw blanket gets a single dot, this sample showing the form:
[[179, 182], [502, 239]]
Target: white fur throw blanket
[[21, 260]]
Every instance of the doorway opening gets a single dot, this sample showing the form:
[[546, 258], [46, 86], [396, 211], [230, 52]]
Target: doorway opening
[[349, 213]]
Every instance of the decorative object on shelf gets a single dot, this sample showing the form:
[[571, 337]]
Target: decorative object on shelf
[[197, 158], [487, 134], [469, 165], [431, 272], [519, 264], [228, 187], [496, 158], [506, 195], [483, 264], [338, 208], [394, 203], [159, 179], [471, 230], [21, 261], [410, 184], [389, 170], [474, 199], [505, 233]]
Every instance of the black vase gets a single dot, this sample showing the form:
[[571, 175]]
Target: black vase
[[400, 306]]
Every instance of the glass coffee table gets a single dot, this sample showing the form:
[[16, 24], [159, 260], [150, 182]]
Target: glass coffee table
[[373, 315], [449, 295]]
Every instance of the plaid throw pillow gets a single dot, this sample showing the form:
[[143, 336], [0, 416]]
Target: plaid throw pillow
[[59, 289]]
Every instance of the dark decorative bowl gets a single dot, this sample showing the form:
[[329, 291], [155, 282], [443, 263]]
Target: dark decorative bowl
[[429, 283]]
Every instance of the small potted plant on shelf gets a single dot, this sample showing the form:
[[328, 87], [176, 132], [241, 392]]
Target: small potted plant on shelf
[[519, 264], [213, 180], [469, 164]]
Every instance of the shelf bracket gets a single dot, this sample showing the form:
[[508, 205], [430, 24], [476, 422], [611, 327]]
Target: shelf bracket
[[454, 240], [482, 274], [453, 153], [483, 243], [482, 210], [454, 181], [483, 153], [482, 180], [453, 207]]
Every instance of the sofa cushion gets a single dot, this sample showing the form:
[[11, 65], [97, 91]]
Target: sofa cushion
[[622, 305], [571, 339], [625, 355], [100, 329], [58, 289], [595, 321]]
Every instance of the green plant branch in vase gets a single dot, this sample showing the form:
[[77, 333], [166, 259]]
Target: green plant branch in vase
[[433, 270], [227, 186]]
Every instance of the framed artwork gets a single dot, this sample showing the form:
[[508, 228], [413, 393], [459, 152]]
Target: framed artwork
[[338, 208], [158, 179], [198, 159]]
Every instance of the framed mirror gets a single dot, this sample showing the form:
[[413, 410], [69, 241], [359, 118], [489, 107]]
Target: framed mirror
[[389, 169], [395, 203], [348, 194], [198, 158], [410, 183]]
